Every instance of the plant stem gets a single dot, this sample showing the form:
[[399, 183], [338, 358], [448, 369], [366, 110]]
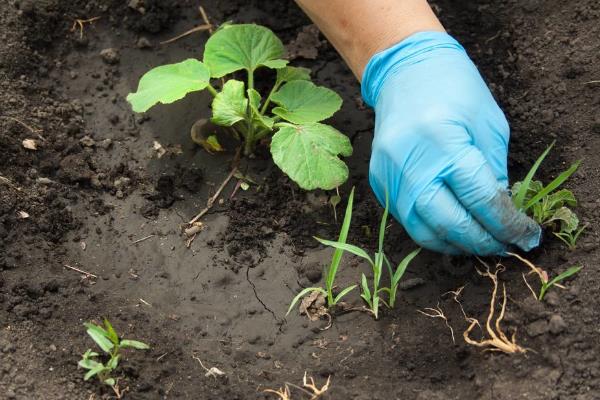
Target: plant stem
[[212, 90], [263, 109]]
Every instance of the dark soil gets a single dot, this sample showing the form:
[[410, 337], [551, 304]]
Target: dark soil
[[95, 185]]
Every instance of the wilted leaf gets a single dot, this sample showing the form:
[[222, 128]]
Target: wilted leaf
[[244, 46], [309, 155], [230, 105], [169, 83], [303, 102]]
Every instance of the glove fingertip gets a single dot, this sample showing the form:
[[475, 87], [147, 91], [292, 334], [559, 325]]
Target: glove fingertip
[[530, 239]]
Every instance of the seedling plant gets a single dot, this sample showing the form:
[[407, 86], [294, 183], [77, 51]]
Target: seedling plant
[[548, 206], [370, 292], [331, 272], [109, 342], [291, 114]]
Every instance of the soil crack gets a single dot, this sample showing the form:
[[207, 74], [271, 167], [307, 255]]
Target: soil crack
[[279, 322]]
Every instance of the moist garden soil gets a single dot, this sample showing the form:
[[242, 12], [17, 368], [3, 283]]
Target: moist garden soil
[[96, 186]]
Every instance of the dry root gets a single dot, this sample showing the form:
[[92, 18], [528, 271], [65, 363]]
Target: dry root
[[498, 341], [309, 387], [438, 313]]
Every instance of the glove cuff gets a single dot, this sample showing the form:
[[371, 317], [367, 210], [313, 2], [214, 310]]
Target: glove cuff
[[386, 61]]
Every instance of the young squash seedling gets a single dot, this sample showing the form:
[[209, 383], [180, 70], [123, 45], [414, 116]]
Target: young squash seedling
[[371, 294], [331, 272], [546, 205], [107, 339], [302, 146]]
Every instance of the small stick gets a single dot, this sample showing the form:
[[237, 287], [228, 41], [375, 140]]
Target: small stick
[[80, 22], [81, 271], [205, 19], [142, 239], [212, 199], [32, 130], [591, 82], [145, 302], [198, 28], [161, 356]]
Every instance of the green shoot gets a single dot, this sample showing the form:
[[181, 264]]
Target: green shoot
[[291, 115], [548, 284], [107, 339], [570, 238], [548, 206], [371, 293], [333, 267]]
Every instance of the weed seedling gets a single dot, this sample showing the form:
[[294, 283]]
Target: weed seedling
[[547, 205], [107, 339], [371, 293], [546, 282], [570, 238], [333, 267], [301, 145]]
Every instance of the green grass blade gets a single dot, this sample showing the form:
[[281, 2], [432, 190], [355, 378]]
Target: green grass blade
[[565, 275], [136, 344], [346, 247], [366, 291], [337, 255], [383, 223], [403, 265], [553, 185], [303, 293], [519, 198], [343, 293]]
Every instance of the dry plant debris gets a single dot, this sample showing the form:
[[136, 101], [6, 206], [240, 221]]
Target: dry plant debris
[[438, 313], [80, 23], [497, 341], [309, 387]]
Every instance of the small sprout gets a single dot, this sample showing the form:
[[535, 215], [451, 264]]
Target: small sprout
[[107, 339], [334, 201], [333, 267], [371, 293], [546, 282], [548, 206], [570, 238], [291, 114]]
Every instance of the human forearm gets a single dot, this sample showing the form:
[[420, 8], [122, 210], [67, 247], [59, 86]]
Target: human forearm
[[360, 28]]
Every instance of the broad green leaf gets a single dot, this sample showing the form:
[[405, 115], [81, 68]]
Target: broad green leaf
[[100, 336], [563, 197], [230, 104], [88, 363], [308, 154], [169, 83], [97, 369], [559, 180], [519, 196], [337, 254], [303, 102], [244, 46], [303, 293], [113, 363], [568, 219], [112, 334], [136, 344], [289, 74], [254, 102], [346, 247], [343, 293]]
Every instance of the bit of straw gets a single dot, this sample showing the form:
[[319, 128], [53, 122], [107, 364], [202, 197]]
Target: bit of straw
[[81, 23], [207, 26]]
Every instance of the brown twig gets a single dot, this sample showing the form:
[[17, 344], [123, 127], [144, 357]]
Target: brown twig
[[80, 23], [142, 239], [198, 28], [211, 200], [81, 271]]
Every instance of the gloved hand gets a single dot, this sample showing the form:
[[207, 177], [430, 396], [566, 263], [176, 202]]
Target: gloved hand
[[440, 149]]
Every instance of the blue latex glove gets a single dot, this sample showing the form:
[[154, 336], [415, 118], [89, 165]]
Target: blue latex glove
[[440, 149]]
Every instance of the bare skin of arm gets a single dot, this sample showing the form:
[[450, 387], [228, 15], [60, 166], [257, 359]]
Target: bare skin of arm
[[360, 28]]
